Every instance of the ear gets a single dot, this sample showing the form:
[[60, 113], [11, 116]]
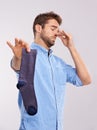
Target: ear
[[38, 28]]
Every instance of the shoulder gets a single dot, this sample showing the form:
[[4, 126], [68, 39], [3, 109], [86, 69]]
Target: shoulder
[[59, 60]]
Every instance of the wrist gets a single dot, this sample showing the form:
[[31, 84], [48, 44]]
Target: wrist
[[15, 63], [71, 47]]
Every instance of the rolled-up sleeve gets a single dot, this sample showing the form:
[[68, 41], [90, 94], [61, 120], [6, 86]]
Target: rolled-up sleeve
[[72, 76]]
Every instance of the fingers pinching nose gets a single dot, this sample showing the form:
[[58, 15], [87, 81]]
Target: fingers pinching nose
[[64, 36], [70, 37]]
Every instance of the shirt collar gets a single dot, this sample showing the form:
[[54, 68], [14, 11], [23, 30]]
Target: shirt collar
[[41, 48]]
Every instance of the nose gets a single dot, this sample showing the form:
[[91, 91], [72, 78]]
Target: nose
[[57, 33]]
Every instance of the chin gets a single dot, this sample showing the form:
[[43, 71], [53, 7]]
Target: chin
[[52, 44]]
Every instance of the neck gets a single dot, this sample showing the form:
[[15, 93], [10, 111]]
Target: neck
[[41, 43]]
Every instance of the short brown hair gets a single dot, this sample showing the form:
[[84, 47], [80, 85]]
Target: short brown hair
[[42, 19]]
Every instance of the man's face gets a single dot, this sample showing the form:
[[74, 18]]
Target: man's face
[[50, 32]]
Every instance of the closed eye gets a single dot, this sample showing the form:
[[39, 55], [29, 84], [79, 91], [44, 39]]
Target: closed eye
[[53, 28]]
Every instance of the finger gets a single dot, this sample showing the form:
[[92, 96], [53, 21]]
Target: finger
[[27, 48], [16, 41], [67, 35], [9, 44], [25, 45], [62, 34], [21, 42]]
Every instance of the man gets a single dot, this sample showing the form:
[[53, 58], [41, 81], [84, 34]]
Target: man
[[51, 73]]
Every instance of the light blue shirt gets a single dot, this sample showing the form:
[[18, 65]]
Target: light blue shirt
[[51, 76]]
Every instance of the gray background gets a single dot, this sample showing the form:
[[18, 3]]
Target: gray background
[[79, 19]]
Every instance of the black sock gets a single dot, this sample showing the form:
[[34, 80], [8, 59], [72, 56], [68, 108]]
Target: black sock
[[26, 81]]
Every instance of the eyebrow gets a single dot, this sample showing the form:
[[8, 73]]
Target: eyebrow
[[54, 26]]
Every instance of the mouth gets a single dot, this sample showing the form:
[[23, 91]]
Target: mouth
[[54, 38]]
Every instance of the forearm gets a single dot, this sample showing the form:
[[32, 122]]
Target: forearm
[[15, 63], [80, 66]]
